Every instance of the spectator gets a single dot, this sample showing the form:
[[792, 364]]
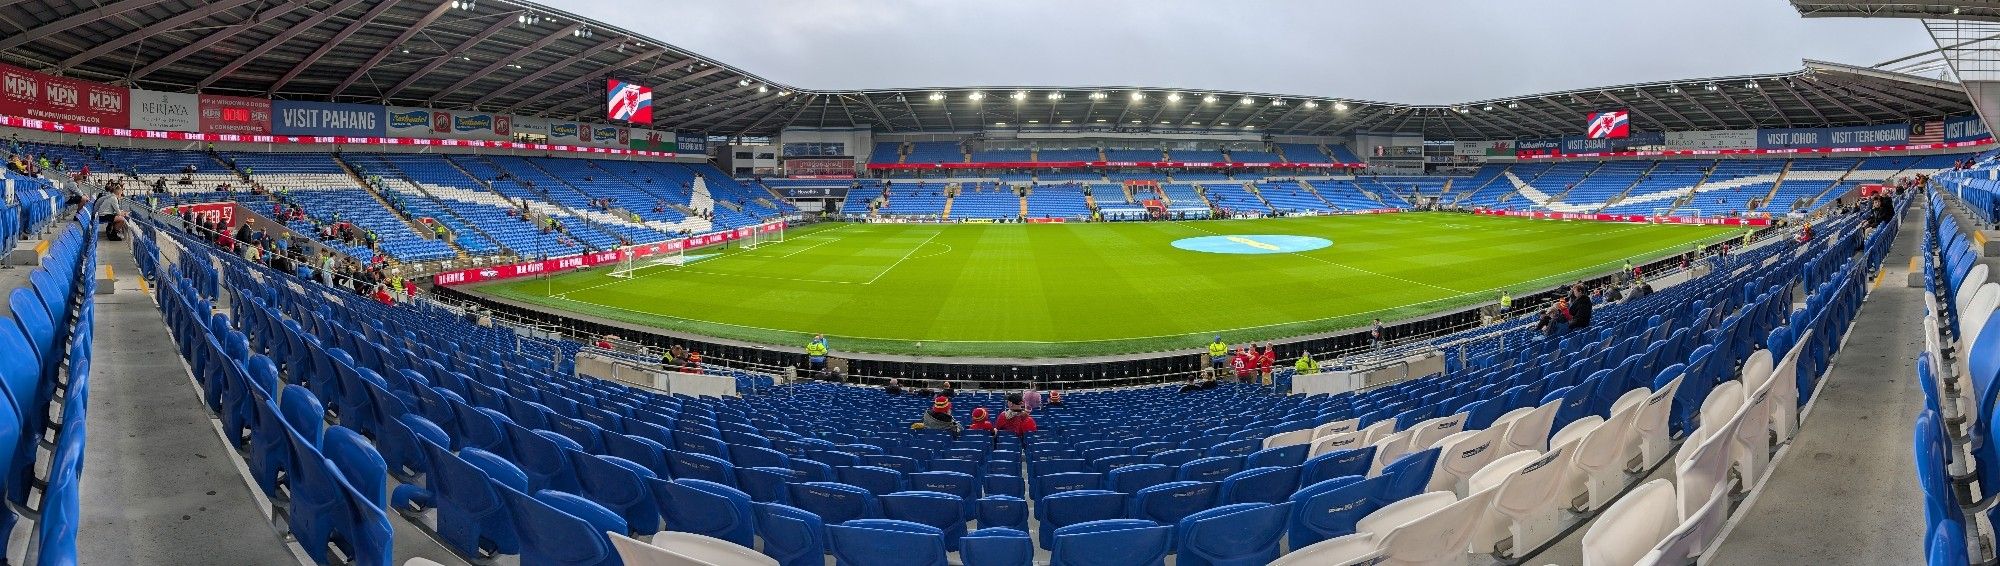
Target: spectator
[[1192, 384], [1306, 365], [895, 387], [112, 212], [1266, 360], [1375, 335], [1218, 352], [939, 418], [979, 421], [1055, 399], [382, 295], [816, 352], [603, 342], [1241, 364], [1017, 418], [1031, 398], [1579, 307], [948, 390]]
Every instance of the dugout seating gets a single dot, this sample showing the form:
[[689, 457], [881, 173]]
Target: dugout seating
[[445, 425]]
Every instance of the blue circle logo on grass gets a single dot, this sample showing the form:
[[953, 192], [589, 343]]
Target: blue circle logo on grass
[[1252, 244]]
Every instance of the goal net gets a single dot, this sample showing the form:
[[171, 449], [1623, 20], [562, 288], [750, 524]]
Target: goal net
[[773, 233], [629, 265]]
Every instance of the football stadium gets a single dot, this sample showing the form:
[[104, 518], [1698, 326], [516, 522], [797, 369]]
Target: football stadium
[[601, 282]]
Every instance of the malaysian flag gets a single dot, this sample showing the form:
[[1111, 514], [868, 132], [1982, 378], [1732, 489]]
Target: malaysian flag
[[1926, 132]]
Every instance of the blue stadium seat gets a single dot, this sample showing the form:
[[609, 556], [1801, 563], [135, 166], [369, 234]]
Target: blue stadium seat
[[1242, 534], [942, 510], [558, 528], [1068, 508], [995, 546], [886, 542], [705, 508], [1114, 541], [792, 536]]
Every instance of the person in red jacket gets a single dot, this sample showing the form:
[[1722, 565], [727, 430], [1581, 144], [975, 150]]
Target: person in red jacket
[[979, 421], [1242, 363], [1266, 360], [1015, 420]]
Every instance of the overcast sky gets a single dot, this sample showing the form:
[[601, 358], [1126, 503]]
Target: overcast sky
[[1413, 51]]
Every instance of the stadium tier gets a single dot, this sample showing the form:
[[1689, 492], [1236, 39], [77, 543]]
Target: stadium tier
[[1302, 153], [498, 283]]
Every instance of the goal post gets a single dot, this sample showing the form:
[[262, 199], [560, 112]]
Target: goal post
[[770, 233], [629, 265]]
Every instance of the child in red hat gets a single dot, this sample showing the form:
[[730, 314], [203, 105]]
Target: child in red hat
[[979, 421]]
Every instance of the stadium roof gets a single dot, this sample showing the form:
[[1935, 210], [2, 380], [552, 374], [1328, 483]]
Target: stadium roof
[[1974, 10], [525, 58]]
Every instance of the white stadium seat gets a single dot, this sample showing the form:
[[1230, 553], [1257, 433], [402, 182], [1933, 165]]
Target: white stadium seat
[[1597, 472], [1464, 454], [1630, 528], [671, 548], [1530, 431]]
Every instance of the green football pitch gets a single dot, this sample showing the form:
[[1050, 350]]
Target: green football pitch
[[1049, 290]]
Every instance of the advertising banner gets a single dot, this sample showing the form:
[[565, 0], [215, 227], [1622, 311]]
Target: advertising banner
[[608, 136], [1076, 164], [1712, 139], [302, 118], [238, 115], [594, 259], [409, 122], [1965, 128], [1582, 144], [652, 140], [1627, 218], [690, 143], [35, 95], [1856, 136], [169, 111]]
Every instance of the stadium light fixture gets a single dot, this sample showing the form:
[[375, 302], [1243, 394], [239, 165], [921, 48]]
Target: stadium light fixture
[[1055, 96], [937, 96], [1135, 121], [1340, 107], [1211, 99], [1247, 100], [1173, 97], [1673, 89], [1065, 121], [761, 89], [976, 95], [1311, 105], [1138, 96], [1100, 120], [1489, 108], [999, 123], [1098, 96], [1277, 103], [1752, 84], [742, 82], [784, 93], [1020, 95], [1034, 121], [1709, 87], [1513, 104], [1223, 124]]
